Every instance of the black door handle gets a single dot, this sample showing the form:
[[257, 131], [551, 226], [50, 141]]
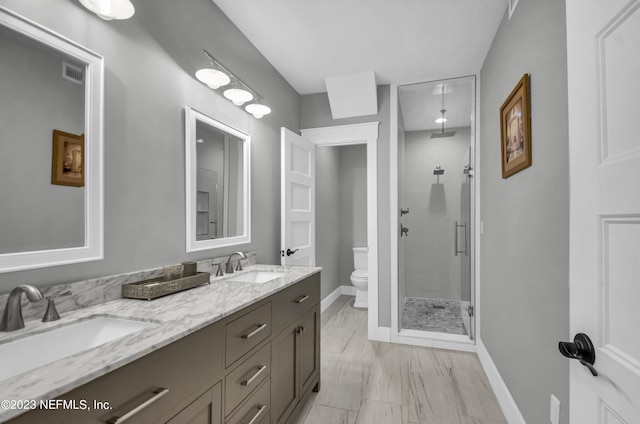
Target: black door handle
[[291, 252], [582, 350]]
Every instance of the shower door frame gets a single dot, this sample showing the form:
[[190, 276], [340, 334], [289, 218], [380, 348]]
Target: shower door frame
[[427, 338]]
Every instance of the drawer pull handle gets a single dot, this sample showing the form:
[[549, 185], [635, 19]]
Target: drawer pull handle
[[157, 394], [254, 419], [254, 376], [254, 332], [301, 298]]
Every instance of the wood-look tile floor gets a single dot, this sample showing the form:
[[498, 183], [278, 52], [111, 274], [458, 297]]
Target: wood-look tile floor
[[364, 382]]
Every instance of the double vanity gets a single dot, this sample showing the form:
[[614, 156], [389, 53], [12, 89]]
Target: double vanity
[[243, 349]]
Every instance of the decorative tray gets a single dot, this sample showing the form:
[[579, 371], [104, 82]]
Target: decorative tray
[[162, 286]]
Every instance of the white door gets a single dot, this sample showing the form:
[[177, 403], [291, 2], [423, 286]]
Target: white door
[[603, 40], [298, 200]]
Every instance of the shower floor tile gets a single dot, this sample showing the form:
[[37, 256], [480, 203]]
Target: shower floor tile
[[438, 315]]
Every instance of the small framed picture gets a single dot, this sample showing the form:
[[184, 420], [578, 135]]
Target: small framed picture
[[67, 160], [515, 129]]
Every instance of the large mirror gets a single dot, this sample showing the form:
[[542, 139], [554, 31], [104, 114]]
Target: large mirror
[[50, 147], [217, 183]]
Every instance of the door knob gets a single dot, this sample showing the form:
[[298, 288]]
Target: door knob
[[291, 252], [582, 350]]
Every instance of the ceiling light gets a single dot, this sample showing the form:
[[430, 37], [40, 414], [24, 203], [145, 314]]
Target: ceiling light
[[258, 110], [110, 9], [213, 78], [441, 120], [238, 96]]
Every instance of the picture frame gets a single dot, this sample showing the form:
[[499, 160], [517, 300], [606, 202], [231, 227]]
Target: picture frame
[[67, 159], [515, 129]]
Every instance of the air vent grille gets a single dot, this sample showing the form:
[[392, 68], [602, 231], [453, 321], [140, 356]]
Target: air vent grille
[[72, 73]]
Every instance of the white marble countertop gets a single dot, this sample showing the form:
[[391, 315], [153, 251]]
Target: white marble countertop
[[174, 317]]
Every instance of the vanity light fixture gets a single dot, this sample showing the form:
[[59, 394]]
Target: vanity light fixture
[[110, 9], [217, 75], [238, 96], [258, 110]]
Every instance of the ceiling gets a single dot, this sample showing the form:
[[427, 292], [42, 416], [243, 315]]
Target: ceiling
[[402, 41]]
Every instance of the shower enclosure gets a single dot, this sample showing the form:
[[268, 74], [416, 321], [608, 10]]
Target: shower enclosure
[[435, 199]]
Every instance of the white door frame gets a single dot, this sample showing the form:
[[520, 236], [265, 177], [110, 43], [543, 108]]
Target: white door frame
[[344, 135], [423, 338]]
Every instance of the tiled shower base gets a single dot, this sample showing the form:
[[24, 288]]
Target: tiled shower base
[[437, 315]]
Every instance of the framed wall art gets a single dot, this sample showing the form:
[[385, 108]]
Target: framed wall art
[[67, 160], [515, 129]]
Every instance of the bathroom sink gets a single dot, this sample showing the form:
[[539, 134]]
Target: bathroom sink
[[258, 277], [33, 351]]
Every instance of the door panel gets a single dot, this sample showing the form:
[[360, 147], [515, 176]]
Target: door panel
[[603, 40], [298, 200]]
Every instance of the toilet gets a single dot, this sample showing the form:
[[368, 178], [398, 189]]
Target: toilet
[[360, 277]]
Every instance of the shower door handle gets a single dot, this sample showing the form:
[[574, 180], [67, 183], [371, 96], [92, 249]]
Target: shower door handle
[[455, 241]]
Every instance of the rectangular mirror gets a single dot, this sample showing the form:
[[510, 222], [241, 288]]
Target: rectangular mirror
[[51, 147], [217, 183]]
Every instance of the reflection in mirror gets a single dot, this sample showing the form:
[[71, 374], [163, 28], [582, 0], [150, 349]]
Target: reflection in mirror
[[51, 91], [36, 214], [217, 175]]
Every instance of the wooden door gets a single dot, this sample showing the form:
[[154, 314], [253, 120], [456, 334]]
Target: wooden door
[[603, 49], [298, 200], [309, 348]]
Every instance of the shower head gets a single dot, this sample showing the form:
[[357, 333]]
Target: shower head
[[438, 171], [443, 134]]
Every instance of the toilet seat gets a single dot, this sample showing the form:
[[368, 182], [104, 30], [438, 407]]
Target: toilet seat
[[360, 274]]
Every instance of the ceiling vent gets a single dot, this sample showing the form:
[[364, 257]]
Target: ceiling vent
[[352, 95], [72, 73]]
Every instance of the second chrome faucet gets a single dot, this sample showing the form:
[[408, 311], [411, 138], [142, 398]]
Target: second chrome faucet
[[229, 266]]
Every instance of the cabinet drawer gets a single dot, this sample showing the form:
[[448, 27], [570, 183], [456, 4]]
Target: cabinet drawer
[[159, 384], [255, 408], [294, 301], [246, 332], [241, 381]]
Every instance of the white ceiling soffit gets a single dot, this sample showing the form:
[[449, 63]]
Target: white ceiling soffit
[[402, 41], [352, 95], [420, 104]]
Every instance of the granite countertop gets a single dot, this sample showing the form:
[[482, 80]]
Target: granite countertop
[[173, 317]]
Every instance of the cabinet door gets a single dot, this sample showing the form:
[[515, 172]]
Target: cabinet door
[[284, 373], [207, 409], [309, 348]]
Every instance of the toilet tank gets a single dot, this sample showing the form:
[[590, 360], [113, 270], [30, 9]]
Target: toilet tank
[[360, 256]]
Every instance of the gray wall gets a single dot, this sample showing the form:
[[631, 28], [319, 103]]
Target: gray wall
[[352, 191], [341, 211], [328, 218], [35, 214], [525, 246], [149, 65], [315, 112], [431, 268]]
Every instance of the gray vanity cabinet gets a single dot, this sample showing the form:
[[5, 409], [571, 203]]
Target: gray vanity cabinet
[[159, 386], [204, 410], [295, 363], [257, 366]]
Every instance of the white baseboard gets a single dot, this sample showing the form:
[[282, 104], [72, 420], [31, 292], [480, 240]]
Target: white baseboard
[[328, 301], [348, 290], [508, 405], [380, 334]]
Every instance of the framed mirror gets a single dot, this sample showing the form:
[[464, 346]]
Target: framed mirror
[[50, 147], [218, 164]]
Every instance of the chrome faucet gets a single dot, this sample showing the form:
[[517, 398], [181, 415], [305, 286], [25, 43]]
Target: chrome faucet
[[229, 267], [12, 317]]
